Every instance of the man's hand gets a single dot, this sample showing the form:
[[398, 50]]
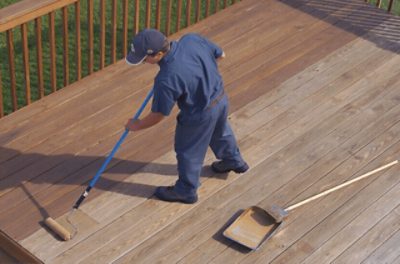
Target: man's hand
[[148, 121]]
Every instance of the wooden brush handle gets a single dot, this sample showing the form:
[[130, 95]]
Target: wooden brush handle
[[341, 186]]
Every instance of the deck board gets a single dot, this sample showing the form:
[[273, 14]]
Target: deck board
[[308, 112]]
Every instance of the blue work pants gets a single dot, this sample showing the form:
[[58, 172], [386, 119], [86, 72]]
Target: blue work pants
[[193, 136]]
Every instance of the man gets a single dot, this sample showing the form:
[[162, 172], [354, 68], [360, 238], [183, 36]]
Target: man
[[188, 76]]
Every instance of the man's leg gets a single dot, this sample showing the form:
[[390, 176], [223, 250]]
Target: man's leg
[[224, 145], [191, 143]]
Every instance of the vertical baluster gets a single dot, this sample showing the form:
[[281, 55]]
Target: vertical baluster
[[168, 24], [25, 55], [1, 98], [90, 33], [102, 33], [158, 17], [11, 63], [39, 56], [216, 6], [52, 39], [188, 12], [198, 10], [65, 45], [378, 3], [78, 56], [390, 5], [207, 8], [178, 16], [148, 13], [125, 27], [136, 18], [114, 31], [225, 3]]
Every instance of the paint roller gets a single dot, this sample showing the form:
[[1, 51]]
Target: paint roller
[[57, 228], [61, 231]]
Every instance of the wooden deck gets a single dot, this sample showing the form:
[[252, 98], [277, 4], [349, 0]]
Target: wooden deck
[[314, 87]]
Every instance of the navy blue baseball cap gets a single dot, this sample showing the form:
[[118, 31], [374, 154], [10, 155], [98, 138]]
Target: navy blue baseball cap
[[146, 42]]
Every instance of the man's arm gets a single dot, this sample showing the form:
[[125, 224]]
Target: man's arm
[[148, 121]]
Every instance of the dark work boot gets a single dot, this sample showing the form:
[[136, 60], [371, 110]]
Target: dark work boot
[[167, 193], [221, 167]]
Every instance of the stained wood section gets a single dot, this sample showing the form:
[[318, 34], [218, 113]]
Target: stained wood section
[[90, 27], [65, 45], [148, 14], [188, 12], [308, 112], [102, 33], [24, 38], [114, 31], [11, 63], [136, 17], [178, 15], [12, 252], [168, 21], [25, 11], [125, 13], [78, 47], [52, 40], [39, 56], [158, 15]]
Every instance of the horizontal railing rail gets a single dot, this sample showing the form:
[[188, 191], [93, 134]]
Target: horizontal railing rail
[[49, 44]]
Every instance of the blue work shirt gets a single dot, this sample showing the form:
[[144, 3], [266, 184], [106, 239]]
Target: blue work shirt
[[189, 76]]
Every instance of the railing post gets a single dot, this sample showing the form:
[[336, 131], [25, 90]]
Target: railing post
[[52, 39], [178, 16], [136, 19], [198, 10], [390, 5], [25, 56], [39, 56], [11, 64], [78, 56], [158, 15], [1, 98], [90, 35], [114, 31], [216, 6], [168, 23], [65, 45], [188, 12], [125, 27], [102, 33], [148, 13]]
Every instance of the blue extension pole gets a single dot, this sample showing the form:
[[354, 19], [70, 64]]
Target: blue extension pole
[[111, 155]]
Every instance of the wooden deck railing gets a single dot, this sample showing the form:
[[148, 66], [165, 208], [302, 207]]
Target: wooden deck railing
[[37, 38], [385, 4]]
